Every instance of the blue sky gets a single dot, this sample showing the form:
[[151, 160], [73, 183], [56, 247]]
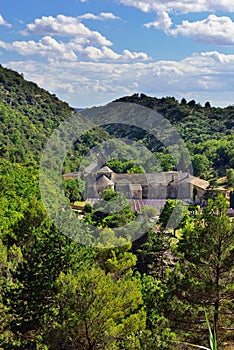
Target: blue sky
[[90, 52]]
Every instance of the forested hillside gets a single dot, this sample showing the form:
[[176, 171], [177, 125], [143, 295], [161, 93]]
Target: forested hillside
[[150, 294], [28, 116], [208, 132]]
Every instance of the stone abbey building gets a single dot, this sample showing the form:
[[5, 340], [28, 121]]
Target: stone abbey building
[[163, 185]]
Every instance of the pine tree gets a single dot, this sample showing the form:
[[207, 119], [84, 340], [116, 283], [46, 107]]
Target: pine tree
[[204, 274]]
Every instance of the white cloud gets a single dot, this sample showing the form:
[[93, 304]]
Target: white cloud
[[105, 53], [65, 26], [144, 6], [205, 76], [96, 54], [3, 22], [218, 57], [84, 43], [46, 47], [74, 50], [128, 55], [181, 6], [101, 17], [163, 22], [213, 30]]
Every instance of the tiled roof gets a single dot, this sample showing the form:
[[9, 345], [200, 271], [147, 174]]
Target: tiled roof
[[130, 178], [105, 170], [103, 180], [163, 178], [153, 178], [196, 181]]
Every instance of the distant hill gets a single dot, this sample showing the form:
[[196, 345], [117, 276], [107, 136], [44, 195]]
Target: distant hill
[[208, 132], [194, 122]]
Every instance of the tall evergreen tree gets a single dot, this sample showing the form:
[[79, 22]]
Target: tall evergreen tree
[[204, 275]]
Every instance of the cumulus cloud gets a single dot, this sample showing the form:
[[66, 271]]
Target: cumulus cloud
[[181, 6], [213, 30], [218, 57], [84, 44], [65, 26], [74, 50], [162, 22], [46, 47], [128, 55], [96, 54], [101, 17], [205, 76], [3, 22], [105, 53]]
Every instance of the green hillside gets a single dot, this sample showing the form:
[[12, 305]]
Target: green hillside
[[28, 115], [208, 132], [27, 98], [194, 122]]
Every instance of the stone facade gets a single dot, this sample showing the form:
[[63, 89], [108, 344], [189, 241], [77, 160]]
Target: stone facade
[[164, 185]]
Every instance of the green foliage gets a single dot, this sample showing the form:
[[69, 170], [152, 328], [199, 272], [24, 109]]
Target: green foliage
[[205, 254], [165, 161], [191, 272], [173, 215], [148, 211], [207, 131], [124, 166], [200, 164], [73, 189], [113, 254], [230, 177], [158, 334], [112, 210], [93, 311], [32, 255], [86, 141], [212, 338], [9, 260], [153, 255], [28, 116], [88, 208]]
